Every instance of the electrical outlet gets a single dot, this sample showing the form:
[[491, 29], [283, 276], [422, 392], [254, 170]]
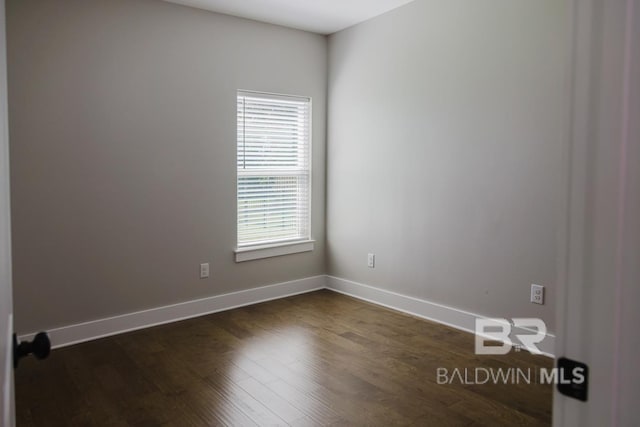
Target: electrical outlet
[[204, 270], [537, 294], [371, 261]]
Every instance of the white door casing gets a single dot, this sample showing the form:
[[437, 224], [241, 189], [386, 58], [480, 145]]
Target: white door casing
[[6, 309], [599, 269]]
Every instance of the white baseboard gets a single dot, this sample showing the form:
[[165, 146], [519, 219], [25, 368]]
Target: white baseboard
[[439, 313], [87, 331], [453, 317]]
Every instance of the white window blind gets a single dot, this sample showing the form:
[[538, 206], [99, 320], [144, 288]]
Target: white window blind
[[274, 181]]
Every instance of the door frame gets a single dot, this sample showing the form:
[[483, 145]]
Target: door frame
[[7, 413], [599, 232]]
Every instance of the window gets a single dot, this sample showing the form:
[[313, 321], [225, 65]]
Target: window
[[274, 165]]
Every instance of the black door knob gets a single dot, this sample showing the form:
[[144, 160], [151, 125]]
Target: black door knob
[[40, 347]]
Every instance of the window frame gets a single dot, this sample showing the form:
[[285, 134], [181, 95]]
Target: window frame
[[266, 249]]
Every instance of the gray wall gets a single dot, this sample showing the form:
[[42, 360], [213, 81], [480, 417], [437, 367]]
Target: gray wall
[[444, 143], [123, 129], [6, 369]]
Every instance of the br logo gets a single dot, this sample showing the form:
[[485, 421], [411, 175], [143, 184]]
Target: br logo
[[499, 330]]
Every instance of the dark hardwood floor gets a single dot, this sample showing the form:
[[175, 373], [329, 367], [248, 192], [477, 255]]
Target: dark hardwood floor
[[315, 359]]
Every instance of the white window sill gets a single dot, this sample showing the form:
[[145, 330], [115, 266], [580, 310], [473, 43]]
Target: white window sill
[[267, 251]]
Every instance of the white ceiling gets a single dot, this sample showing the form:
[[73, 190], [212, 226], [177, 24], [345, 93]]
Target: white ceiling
[[318, 16]]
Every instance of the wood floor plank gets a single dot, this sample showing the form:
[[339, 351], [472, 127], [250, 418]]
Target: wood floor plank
[[253, 408], [317, 412], [318, 359], [278, 405]]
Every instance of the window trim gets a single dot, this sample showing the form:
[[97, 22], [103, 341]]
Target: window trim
[[283, 247], [249, 253]]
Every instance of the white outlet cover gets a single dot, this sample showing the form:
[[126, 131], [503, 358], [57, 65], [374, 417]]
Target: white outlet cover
[[371, 260], [204, 270], [537, 294]]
